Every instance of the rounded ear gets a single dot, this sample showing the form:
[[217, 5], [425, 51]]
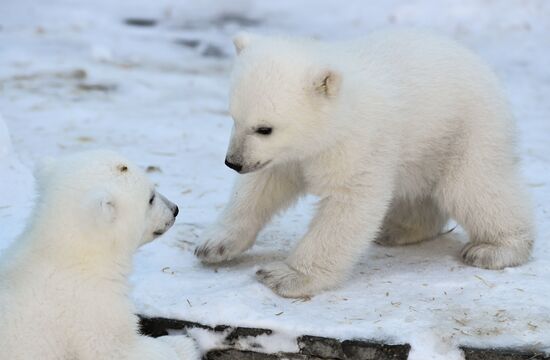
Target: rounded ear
[[327, 82], [242, 40], [101, 206]]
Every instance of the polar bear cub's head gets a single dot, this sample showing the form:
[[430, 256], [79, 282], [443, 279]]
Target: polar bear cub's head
[[98, 199], [281, 101]]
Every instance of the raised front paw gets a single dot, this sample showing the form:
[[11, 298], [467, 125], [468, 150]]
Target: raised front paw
[[286, 281], [221, 245]]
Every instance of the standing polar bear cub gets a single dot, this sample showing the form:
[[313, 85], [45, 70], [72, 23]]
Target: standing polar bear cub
[[63, 286], [395, 134]]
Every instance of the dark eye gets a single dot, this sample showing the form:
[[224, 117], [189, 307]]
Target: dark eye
[[152, 199], [264, 130]]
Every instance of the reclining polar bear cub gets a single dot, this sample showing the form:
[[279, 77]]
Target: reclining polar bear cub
[[395, 134], [63, 286]]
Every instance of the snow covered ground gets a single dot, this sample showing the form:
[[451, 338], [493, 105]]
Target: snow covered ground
[[74, 75]]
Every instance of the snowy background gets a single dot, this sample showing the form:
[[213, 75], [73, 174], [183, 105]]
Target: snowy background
[[81, 75]]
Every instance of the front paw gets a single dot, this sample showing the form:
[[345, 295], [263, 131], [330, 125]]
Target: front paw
[[286, 281], [221, 246], [492, 256]]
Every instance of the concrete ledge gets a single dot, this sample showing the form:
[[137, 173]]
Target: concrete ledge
[[314, 347], [502, 354]]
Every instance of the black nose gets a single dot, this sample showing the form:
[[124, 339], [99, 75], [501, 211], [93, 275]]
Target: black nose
[[176, 211], [236, 167]]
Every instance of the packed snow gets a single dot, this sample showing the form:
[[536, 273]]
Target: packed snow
[[76, 75]]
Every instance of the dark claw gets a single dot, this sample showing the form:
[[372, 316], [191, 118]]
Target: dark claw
[[221, 250], [201, 251]]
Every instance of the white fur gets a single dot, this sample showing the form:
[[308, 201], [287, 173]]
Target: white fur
[[408, 130], [63, 284]]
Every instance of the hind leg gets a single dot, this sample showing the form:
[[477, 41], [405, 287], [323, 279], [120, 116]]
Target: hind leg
[[493, 208], [411, 221]]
